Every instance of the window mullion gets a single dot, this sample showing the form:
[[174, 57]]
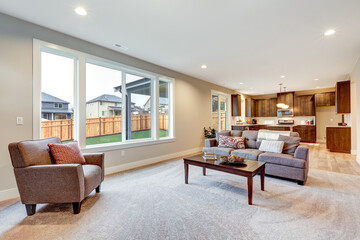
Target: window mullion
[[123, 112], [80, 101], [155, 106]]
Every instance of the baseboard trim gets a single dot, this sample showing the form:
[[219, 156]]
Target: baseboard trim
[[358, 159], [9, 194], [145, 162], [13, 192], [353, 152]]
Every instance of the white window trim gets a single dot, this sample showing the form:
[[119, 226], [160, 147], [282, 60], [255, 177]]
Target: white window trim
[[81, 59]]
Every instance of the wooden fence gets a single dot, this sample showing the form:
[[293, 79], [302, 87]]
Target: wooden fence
[[95, 127]]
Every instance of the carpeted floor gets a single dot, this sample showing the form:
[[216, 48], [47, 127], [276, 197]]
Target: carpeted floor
[[154, 203]]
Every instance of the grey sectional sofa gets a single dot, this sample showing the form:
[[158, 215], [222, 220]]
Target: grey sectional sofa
[[293, 166]]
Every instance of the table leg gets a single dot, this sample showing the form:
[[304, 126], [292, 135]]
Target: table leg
[[262, 180], [204, 171], [250, 189], [186, 167]]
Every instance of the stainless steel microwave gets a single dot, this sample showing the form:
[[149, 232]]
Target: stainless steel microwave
[[285, 113]]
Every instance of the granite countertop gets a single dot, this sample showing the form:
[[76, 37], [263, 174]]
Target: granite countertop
[[278, 125]]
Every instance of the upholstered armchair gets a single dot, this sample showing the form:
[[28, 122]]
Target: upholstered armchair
[[41, 181]]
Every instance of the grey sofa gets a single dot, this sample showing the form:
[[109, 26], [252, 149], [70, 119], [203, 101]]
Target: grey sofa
[[40, 181], [293, 166]]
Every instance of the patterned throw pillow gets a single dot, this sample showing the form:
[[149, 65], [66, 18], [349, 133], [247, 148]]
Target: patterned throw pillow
[[68, 153], [239, 142], [231, 142]]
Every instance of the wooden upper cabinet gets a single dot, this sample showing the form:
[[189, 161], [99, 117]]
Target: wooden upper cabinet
[[250, 107], [235, 105], [265, 107], [272, 112], [286, 98], [304, 105], [343, 97], [325, 99]]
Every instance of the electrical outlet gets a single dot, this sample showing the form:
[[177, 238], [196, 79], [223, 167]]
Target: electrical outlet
[[19, 121]]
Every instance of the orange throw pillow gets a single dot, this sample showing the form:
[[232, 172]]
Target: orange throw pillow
[[68, 153]]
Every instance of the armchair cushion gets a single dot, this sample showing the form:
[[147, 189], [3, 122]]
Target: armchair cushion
[[68, 153], [92, 176], [34, 152]]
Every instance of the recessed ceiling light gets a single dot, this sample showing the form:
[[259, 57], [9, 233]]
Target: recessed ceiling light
[[329, 32], [121, 46], [316, 79], [241, 83], [81, 11], [282, 76], [317, 87], [203, 66]]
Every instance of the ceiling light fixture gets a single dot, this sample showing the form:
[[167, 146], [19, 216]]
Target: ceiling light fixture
[[203, 66], [329, 32], [316, 79], [241, 83], [81, 11], [282, 76]]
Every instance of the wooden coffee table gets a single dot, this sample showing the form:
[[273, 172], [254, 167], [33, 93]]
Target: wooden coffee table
[[251, 169]]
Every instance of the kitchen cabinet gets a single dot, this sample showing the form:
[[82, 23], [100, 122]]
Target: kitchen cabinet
[[325, 99], [304, 105], [256, 127], [342, 98], [265, 107], [338, 139], [286, 98], [307, 133], [279, 128], [250, 107], [235, 105]]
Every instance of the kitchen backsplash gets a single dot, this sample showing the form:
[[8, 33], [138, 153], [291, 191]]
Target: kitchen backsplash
[[274, 120]]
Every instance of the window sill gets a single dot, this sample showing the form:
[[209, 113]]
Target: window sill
[[129, 144]]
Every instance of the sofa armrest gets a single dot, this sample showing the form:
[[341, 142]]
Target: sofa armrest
[[302, 152], [210, 142], [96, 159], [53, 183]]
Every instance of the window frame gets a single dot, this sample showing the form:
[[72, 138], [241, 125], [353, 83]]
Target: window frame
[[227, 107], [80, 60]]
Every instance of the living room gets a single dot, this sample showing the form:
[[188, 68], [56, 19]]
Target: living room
[[135, 84]]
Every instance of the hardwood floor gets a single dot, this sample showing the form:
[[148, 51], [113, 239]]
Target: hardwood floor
[[323, 159]]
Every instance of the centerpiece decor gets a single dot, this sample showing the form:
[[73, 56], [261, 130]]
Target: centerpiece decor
[[233, 160]]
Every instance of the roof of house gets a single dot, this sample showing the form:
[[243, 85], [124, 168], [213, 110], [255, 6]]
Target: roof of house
[[162, 101], [55, 110], [49, 98], [106, 98]]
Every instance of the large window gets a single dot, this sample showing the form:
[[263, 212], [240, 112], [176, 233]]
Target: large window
[[57, 96], [98, 102]]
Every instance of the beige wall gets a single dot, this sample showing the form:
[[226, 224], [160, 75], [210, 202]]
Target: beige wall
[[325, 116], [355, 98], [192, 96]]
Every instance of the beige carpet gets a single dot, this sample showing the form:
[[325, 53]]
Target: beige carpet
[[154, 203]]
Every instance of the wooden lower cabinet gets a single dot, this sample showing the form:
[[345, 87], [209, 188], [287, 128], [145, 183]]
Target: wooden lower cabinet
[[278, 128], [248, 127], [338, 139], [307, 133]]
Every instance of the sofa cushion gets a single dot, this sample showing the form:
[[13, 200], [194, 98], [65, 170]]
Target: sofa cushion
[[236, 133], [248, 153], [282, 159], [36, 152], [68, 153], [250, 138], [271, 146], [218, 151], [92, 177], [290, 144], [231, 142]]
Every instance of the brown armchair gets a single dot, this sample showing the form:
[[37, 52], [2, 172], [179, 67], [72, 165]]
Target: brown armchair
[[41, 181]]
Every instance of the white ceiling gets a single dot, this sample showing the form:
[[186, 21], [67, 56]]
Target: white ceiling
[[248, 41]]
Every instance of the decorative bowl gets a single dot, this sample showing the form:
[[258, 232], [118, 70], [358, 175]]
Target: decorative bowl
[[232, 160]]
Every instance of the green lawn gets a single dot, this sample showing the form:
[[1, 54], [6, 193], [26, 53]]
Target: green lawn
[[117, 137]]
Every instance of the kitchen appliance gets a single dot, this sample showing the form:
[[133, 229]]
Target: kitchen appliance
[[254, 121], [286, 122], [285, 113]]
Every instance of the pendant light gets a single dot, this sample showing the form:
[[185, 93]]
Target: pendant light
[[282, 105]]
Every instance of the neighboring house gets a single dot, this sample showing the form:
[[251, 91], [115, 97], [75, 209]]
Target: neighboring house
[[53, 108], [163, 105], [106, 105]]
